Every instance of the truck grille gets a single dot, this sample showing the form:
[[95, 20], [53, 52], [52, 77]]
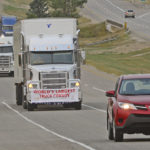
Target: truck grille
[[53, 80], [4, 61]]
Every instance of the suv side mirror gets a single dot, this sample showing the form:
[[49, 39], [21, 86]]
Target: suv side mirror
[[110, 93]]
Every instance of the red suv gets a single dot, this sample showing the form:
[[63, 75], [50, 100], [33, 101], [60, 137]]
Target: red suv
[[128, 109]]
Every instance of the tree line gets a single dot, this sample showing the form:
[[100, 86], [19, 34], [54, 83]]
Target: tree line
[[54, 8]]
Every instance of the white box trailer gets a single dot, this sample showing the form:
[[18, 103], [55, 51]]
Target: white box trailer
[[47, 63]]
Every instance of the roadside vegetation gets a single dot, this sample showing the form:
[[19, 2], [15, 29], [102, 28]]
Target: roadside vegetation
[[123, 55], [17, 8], [140, 1]]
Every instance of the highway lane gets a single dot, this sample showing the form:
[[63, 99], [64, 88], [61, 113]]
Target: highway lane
[[100, 10], [57, 128]]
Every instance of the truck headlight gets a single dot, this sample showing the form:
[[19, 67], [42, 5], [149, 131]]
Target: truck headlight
[[77, 84], [32, 86]]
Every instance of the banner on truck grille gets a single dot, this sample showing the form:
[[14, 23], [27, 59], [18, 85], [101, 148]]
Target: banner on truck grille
[[54, 95]]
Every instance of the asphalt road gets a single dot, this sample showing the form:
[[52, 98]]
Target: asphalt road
[[100, 10], [51, 128]]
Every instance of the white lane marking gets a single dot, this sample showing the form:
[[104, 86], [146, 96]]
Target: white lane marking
[[47, 130], [101, 110], [101, 90], [115, 5], [141, 16]]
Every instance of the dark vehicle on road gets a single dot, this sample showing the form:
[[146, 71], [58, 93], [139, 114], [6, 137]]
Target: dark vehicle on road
[[128, 109]]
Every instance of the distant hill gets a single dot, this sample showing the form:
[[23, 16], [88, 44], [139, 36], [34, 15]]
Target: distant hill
[[17, 8]]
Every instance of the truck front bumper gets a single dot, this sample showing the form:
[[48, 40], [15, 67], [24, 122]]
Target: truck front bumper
[[6, 70]]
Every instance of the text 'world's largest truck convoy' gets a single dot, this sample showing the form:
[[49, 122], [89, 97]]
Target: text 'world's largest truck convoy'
[[47, 63]]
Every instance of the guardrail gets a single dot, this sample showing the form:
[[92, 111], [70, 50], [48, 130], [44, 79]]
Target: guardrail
[[114, 23]]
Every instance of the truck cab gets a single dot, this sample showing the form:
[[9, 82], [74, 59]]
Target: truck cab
[[7, 23], [6, 55]]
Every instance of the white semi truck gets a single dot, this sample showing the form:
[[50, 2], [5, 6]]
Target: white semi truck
[[47, 63], [6, 55]]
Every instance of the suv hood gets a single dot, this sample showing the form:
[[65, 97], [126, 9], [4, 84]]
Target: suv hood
[[140, 99]]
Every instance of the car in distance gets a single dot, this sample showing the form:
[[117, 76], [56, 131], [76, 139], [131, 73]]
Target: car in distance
[[130, 13], [128, 108]]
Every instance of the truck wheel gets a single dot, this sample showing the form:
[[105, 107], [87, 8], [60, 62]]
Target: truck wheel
[[24, 101], [30, 107], [24, 104], [18, 95], [11, 74], [78, 105]]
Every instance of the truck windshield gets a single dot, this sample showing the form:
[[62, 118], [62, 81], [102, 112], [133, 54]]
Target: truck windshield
[[7, 28], [41, 58], [7, 49]]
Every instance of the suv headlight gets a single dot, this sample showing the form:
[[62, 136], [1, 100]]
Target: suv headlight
[[126, 106]]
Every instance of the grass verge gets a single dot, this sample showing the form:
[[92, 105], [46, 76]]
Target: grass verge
[[13, 11], [109, 57], [118, 64]]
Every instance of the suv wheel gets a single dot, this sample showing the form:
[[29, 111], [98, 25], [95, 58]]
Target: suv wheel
[[110, 131], [117, 135]]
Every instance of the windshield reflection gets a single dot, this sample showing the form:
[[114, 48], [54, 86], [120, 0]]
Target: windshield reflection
[[6, 49]]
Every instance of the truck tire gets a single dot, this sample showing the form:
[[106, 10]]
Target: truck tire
[[24, 101], [11, 74], [78, 105], [18, 94], [24, 104], [30, 107]]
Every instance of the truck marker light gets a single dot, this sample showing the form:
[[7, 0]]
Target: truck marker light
[[2, 36], [68, 47]]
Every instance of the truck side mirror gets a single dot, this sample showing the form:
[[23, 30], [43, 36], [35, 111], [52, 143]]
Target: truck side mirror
[[83, 57], [20, 59]]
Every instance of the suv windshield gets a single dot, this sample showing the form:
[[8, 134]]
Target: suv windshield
[[135, 87], [41, 58], [7, 49], [130, 10]]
